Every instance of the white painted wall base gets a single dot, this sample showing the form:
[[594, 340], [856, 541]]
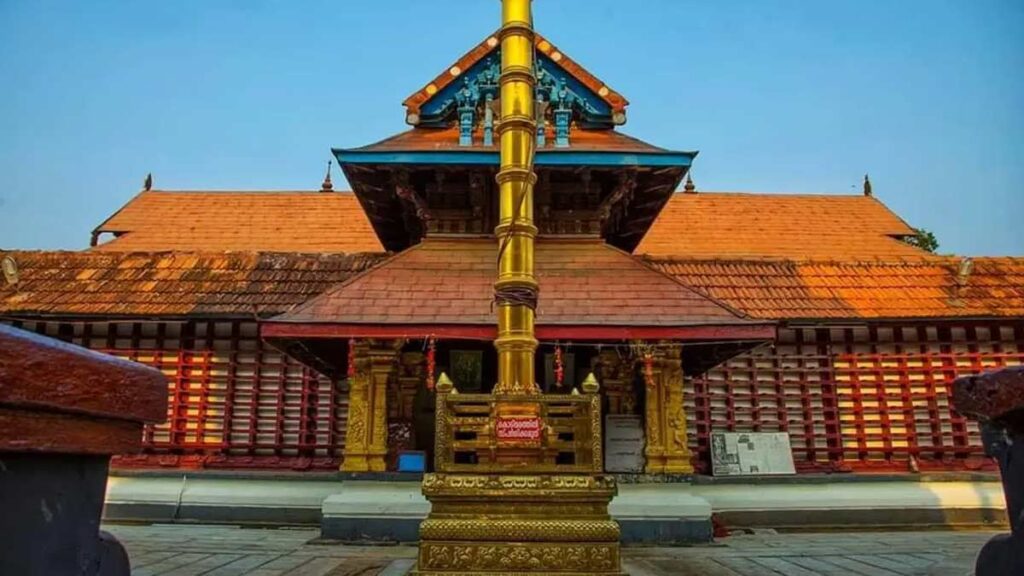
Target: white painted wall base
[[197, 498], [852, 495], [377, 500], [283, 500]]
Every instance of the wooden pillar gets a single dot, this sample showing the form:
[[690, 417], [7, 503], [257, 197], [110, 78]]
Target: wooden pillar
[[616, 380], [366, 442], [666, 450]]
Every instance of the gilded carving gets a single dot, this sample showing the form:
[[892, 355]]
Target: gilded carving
[[526, 530], [678, 427], [366, 436], [521, 506], [356, 415], [616, 379], [474, 483], [596, 443], [667, 450], [592, 559]]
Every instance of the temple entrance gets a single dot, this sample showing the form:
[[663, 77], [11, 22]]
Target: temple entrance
[[642, 414], [472, 367]]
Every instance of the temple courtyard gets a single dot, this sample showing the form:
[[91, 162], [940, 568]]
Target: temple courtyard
[[163, 549]]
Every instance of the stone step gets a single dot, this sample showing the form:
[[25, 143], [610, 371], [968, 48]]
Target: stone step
[[647, 513]]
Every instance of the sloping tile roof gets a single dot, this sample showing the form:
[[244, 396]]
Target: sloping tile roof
[[615, 100], [736, 225], [577, 281], [706, 224], [447, 139], [244, 221], [816, 289], [170, 283], [450, 281]]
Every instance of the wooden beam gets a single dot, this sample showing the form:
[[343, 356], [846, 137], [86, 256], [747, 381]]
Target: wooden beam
[[483, 332]]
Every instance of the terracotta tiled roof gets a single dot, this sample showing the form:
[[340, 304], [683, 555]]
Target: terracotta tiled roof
[[481, 50], [581, 282], [244, 221], [447, 139], [169, 283], [449, 281], [736, 225], [814, 289]]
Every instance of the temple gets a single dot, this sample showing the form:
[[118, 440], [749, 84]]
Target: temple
[[305, 331]]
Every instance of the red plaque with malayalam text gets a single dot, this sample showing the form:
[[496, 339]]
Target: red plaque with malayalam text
[[525, 429]]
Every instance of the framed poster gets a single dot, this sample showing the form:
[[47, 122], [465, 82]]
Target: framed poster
[[751, 454], [467, 369]]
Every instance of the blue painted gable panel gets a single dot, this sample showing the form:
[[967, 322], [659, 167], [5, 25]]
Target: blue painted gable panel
[[441, 108]]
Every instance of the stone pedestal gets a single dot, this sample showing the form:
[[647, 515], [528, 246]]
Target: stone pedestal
[[518, 524]]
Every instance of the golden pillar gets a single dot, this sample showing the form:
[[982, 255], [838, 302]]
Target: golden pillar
[[666, 450], [515, 291], [366, 437]]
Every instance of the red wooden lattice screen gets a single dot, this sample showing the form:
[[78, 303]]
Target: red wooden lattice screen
[[234, 401], [861, 398]]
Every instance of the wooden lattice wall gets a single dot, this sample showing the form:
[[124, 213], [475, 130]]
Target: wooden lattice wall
[[870, 397], [851, 398], [234, 401]]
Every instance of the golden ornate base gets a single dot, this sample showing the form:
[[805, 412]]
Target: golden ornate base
[[491, 524]]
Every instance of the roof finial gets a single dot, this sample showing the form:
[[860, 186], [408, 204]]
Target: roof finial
[[867, 185], [327, 186], [147, 184], [689, 188]]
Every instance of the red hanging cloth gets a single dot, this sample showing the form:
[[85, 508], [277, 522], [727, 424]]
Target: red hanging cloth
[[559, 367], [351, 357], [431, 362]]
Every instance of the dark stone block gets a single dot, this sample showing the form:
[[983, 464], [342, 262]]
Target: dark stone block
[[51, 511], [910, 518], [997, 400], [370, 529], [665, 532], [209, 514]]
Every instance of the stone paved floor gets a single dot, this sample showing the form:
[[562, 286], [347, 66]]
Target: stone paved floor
[[180, 550]]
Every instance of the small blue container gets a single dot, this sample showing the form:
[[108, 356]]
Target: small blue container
[[412, 461]]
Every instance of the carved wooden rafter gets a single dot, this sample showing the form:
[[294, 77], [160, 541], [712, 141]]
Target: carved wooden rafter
[[543, 194], [477, 199], [613, 209], [415, 211]]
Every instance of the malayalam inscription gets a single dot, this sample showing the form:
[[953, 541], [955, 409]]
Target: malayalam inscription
[[518, 429], [623, 443], [751, 454]]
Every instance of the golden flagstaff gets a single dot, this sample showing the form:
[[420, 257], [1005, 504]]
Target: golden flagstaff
[[521, 491], [515, 292]]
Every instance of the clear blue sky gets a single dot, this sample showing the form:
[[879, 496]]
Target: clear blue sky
[[779, 96]]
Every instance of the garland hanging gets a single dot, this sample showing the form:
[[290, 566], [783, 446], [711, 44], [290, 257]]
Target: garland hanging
[[559, 367], [351, 358], [649, 369], [431, 362]]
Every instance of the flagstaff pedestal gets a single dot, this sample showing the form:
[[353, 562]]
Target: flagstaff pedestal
[[508, 501], [518, 524]]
